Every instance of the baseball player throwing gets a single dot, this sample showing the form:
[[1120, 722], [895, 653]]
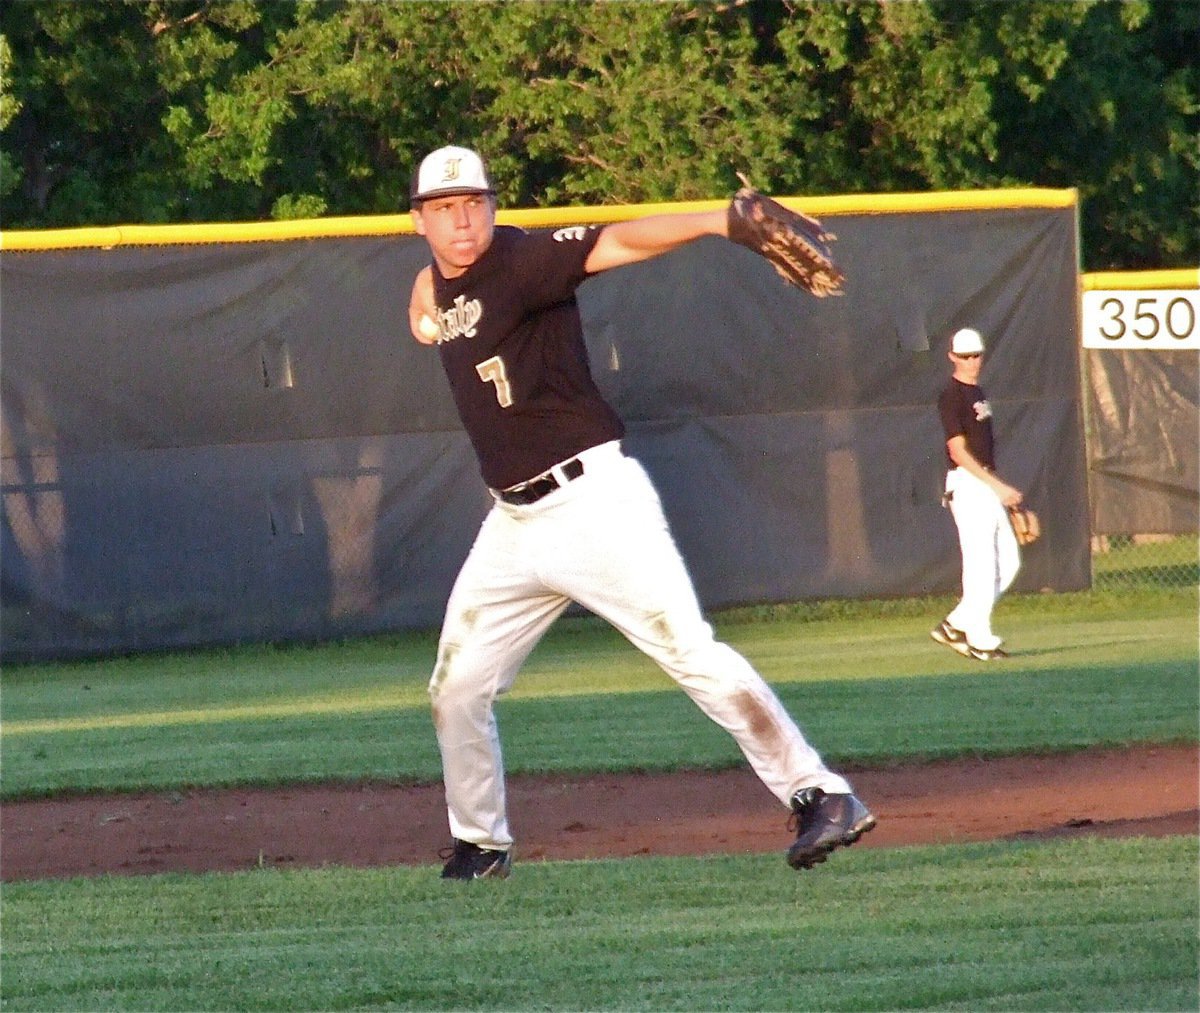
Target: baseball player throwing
[[574, 518], [978, 499]]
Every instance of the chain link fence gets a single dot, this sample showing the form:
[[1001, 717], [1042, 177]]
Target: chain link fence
[[1127, 562]]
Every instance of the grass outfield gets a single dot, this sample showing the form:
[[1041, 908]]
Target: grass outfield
[[865, 682], [1085, 924]]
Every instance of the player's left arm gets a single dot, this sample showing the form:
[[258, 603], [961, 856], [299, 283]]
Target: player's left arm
[[628, 242], [962, 457]]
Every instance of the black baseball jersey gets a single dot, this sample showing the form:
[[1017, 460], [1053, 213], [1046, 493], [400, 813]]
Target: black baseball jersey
[[512, 347], [965, 412]]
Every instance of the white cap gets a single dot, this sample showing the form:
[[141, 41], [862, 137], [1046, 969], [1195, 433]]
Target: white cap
[[968, 341], [448, 172]]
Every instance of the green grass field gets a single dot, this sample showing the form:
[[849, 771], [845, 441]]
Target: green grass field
[[1103, 925], [1081, 924], [869, 687]]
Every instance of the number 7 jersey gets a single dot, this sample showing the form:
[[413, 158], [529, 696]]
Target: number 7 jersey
[[511, 344]]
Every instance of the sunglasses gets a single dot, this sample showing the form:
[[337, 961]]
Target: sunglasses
[[968, 355]]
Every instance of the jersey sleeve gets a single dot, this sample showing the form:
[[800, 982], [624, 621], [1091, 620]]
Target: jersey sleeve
[[948, 409], [551, 264]]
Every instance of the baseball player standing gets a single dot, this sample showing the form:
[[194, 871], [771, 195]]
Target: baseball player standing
[[978, 500], [574, 518]]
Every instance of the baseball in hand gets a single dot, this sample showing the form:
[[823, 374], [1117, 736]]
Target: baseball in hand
[[428, 328]]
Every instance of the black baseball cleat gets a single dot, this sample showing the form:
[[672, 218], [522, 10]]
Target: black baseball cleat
[[953, 638], [823, 822], [469, 861]]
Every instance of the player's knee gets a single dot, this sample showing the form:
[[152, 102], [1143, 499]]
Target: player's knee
[[446, 685], [441, 669], [680, 642], [706, 662], [455, 682]]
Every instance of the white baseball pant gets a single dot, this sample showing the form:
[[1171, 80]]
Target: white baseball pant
[[602, 541], [990, 555]]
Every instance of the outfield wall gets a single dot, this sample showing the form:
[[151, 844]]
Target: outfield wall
[[1141, 364], [216, 433]]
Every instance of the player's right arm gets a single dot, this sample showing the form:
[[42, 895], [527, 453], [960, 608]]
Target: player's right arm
[[421, 303], [962, 457]]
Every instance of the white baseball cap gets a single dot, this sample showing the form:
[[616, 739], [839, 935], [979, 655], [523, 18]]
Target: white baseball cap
[[448, 172], [968, 341]]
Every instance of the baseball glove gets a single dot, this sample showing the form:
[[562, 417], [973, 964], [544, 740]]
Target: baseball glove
[[1025, 525], [796, 245]]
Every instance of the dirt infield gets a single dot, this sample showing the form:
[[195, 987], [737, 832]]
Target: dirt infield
[[1144, 791]]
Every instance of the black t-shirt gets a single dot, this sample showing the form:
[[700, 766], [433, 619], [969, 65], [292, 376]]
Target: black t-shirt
[[512, 347], [965, 412]]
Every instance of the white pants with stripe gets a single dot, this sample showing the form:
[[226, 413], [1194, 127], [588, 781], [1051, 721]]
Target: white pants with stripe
[[990, 556], [602, 541]]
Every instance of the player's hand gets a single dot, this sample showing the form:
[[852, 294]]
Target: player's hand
[[422, 309], [1009, 496]]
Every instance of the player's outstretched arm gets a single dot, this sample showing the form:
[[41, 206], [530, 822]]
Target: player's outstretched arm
[[638, 239]]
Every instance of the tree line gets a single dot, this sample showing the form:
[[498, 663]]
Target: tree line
[[173, 111]]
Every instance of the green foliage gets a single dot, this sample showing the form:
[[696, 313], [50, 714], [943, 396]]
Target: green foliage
[[630, 103], [10, 172], [301, 205], [893, 93], [1117, 118], [1085, 924], [211, 110]]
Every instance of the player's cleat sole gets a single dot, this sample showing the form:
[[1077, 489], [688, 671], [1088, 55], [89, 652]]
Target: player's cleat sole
[[823, 823], [469, 861], [953, 638]]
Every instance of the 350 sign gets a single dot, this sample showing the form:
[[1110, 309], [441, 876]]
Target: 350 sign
[[1161, 319]]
